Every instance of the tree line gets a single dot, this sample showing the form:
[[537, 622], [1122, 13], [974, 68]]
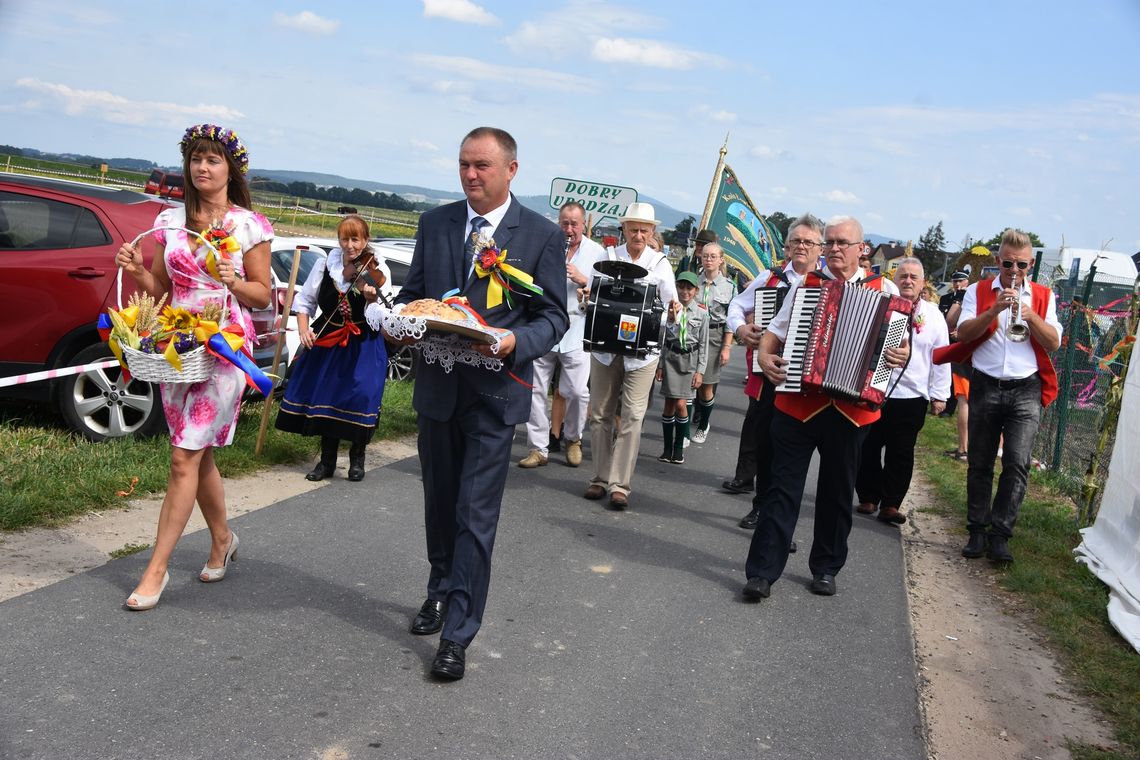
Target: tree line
[[339, 195]]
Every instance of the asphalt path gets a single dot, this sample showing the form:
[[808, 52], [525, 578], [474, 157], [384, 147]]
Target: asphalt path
[[606, 635]]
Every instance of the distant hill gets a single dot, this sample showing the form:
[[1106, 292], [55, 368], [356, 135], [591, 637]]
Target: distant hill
[[668, 215]]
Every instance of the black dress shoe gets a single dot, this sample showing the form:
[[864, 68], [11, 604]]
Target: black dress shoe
[[756, 589], [430, 618], [750, 520], [976, 546], [999, 549], [792, 548], [449, 662], [822, 584], [737, 485]]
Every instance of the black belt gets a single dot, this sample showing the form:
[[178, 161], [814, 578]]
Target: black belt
[[716, 325], [676, 349], [982, 377]]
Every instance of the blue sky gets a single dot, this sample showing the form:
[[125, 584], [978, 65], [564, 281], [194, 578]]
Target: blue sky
[[982, 114]]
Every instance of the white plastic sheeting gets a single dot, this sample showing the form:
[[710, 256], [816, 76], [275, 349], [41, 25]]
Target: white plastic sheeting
[[1111, 547]]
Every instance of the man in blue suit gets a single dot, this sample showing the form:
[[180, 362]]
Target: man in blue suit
[[467, 415]]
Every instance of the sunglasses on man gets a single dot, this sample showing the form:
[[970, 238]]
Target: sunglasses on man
[[1020, 264]]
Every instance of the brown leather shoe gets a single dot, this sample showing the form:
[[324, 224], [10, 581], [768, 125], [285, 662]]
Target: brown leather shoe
[[619, 500], [574, 453], [594, 492], [532, 460], [891, 515], [866, 508]]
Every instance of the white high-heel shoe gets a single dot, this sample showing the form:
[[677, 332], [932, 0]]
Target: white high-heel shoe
[[137, 601], [214, 574]]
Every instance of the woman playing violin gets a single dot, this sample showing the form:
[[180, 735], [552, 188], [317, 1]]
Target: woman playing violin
[[337, 383]]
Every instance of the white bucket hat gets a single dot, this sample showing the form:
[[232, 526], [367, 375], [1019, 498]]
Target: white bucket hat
[[640, 212]]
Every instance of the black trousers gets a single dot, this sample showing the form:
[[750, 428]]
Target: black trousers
[[839, 442], [998, 407], [762, 440], [884, 478]]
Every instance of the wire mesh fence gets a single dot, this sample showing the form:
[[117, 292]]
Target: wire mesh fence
[[1078, 431]]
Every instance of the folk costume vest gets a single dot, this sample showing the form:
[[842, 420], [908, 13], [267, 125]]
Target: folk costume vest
[[755, 381], [960, 353], [807, 404]]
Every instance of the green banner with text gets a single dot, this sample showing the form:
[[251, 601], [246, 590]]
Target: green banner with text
[[750, 244]]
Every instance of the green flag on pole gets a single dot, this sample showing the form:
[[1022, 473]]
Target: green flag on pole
[[750, 244]]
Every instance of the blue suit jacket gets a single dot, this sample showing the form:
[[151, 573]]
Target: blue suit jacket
[[533, 244]]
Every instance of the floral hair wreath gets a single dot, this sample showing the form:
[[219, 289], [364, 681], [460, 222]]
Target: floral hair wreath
[[227, 137]]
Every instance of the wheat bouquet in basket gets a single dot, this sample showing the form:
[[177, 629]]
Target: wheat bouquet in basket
[[157, 342]]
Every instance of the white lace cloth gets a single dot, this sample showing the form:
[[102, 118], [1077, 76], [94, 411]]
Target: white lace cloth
[[444, 349]]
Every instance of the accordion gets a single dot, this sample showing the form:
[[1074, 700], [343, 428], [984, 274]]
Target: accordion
[[768, 303], [837, 340]]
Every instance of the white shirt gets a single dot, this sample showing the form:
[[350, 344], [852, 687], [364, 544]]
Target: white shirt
[[744, 304], [999, 357], [306, 300], [779, 324], [661, 275], [588, 252], [923, 378]]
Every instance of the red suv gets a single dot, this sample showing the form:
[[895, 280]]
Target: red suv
[[165, 184], [57, 274]]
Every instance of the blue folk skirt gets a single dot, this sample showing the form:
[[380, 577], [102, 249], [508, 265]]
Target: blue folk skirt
[[337, 391]]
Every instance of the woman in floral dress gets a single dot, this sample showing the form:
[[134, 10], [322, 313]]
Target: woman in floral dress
[[203, 415]]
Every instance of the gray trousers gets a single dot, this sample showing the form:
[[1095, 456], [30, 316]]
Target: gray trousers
[[1000, 407]]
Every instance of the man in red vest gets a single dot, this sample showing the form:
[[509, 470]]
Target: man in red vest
[[802, 249], [1012, 382], [804, 423]]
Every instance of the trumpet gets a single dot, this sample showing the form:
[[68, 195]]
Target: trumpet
[[1017, 331]]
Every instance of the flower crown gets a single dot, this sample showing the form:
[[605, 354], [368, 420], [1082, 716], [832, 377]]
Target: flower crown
[[227, 137]]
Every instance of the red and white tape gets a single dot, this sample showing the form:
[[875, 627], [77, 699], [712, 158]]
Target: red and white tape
[[50, 374]]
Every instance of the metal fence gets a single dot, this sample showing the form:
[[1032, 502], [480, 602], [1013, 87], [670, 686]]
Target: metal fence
[[1078, 430]]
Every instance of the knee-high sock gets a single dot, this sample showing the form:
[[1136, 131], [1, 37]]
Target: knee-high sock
[[668, 429], [704, 412], [682, 434]]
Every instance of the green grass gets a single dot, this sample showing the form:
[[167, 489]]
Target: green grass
[[129, 549], [48, 475], [1067, 601]]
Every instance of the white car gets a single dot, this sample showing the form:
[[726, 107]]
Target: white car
[[400, 360]]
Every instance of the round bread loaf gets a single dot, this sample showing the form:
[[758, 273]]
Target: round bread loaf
[[430, 307]]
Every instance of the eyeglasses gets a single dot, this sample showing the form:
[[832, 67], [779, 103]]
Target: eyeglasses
[[841, 243], [809, 244], [1020, 264]]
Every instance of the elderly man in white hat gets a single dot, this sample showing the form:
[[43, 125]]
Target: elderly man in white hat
[[625, 380]]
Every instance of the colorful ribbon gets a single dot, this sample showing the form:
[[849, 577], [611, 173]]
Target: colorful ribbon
[[504, 278]]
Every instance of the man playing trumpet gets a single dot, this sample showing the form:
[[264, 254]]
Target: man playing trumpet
[[1009, 327]]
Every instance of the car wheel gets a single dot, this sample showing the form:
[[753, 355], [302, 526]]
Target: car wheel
[[401, 362], [98, 405]]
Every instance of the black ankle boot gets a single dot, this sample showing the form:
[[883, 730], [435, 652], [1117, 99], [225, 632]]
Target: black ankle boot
[[976, 546], [327, 466], [356, 462]]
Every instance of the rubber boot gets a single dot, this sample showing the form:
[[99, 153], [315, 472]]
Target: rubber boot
[[356, 462], [327, 466]]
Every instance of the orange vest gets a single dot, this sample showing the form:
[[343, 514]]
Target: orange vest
[[959, 353], [807, 404]]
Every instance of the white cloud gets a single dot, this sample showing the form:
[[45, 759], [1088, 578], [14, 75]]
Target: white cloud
[[778, 192], [1022, 211], [841, 196], [651, 53], [463, 11], [567, 31], [472, 69], [445, 164], [767, 153], [308, 22], [120, 110], [424, 144], [873, 216]]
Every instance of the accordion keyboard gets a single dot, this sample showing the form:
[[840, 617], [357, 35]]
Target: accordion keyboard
[[799, 333]]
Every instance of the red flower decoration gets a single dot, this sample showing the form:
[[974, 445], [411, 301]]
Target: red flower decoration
[[488, 258]]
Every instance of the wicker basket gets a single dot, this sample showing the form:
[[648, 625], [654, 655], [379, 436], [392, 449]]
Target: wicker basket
[[197, 365]]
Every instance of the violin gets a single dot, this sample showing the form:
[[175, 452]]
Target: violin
[[368, 269]]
